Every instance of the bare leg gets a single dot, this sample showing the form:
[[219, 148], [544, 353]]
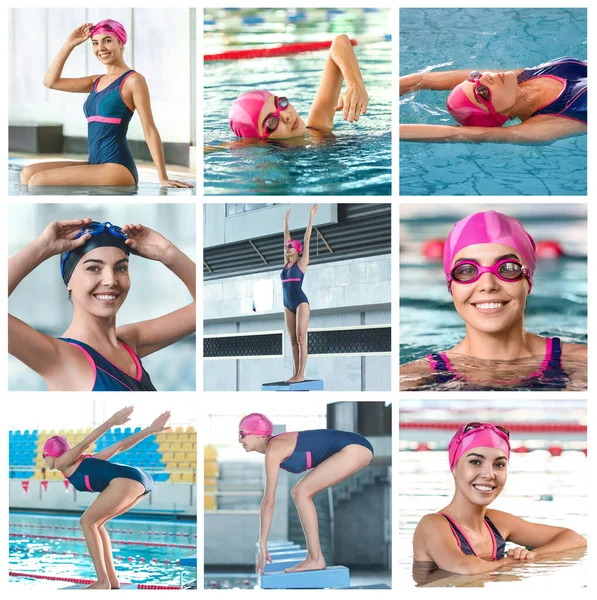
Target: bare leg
[[335, 469], [303, 312], [119, 494], [84, 174], [290, 319], [30, 170]]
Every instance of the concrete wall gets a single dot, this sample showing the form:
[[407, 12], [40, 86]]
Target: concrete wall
[[178, 498], [159, 47], [219, 229]]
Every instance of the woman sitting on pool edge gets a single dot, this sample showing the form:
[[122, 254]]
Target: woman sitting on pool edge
[[489, 264], [108, 111], [550, 100], [468, 538], [259, 114]]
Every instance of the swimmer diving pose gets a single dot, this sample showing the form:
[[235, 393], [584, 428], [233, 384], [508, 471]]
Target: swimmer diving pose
[[296, 305], [467, 537], [112, 100], [94, 354], [331, 454], [550, 100], [120, 487], [261, 115], [489, 264]]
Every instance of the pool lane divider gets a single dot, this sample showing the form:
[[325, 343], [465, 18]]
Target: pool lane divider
[[118, 542], [80, 581], [75, 528]]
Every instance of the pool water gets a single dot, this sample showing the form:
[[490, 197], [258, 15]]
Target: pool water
[[540, 488], [355, 160], [133, 559], [498, 39]]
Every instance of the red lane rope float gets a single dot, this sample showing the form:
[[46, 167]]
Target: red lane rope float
[[518, 427], [120, 542], [75, 528], [282, 50], [148, 586], [51, 577]]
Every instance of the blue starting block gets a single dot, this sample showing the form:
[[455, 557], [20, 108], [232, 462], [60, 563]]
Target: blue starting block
[[188, 561], [330, 577], [303, 386], [299, 554]]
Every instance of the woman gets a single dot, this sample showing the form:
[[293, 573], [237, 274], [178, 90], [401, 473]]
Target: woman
[[120, 487], [550, 100], [332, 455], [468, 538], [112, 100], [93, 353], [296, 306], [489, 263], [259, 114]]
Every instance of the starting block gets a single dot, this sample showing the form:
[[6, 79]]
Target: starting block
[[330, 577], [298, 554], [303, 386], [281, 565]]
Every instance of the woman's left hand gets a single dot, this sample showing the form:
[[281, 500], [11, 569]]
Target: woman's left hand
[[159, 424], [519, 553], [146, 242], [262, 558], [313, 210], [353, 101], [175, 183]]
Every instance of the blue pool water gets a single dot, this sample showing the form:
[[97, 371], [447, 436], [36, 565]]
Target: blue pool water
[[31, 553], [499, 39], [356, 160]]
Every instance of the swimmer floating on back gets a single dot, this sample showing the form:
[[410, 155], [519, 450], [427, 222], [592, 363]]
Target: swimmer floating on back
[[296, 305], [468, 538], [112, 100], [550, 100], [331, 454], [120, 487], [94, 354], [489, 263], [261, 115]]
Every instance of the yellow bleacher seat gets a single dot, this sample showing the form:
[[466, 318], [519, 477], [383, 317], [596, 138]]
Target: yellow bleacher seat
[[167, 457], [69, 433], [191, 429], [178, 456], [190, 457], [179, 430], [80, 432], [171, 437], [187, 477], [62, 432], [209, 502], [51, 432], [210, 469], [171, 466], [210, 453], [183, 465], [209, 484], [164, 447], [175, 477], [187, 446], [175, 446]]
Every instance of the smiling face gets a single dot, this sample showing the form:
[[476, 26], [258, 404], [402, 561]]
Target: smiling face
[[290, 123], [107, 48], [100, 282], [489, 304], [480, 474], [503, 87]]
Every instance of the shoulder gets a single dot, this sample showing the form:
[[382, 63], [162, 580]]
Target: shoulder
[[414, 373], [502, 520], [136, 82], [571, 349], [129, 334], [431, 522]]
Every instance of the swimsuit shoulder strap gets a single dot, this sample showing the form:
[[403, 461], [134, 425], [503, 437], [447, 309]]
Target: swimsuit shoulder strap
[[461, 539], [440, 364], [499, 543]]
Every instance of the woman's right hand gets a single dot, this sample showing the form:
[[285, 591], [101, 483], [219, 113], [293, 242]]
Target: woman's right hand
[[353, 101], [122, 416], [80, 35], [287, 216], [59, 236], [262, 558]]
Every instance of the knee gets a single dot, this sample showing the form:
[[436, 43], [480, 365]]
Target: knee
[[293, 340], [88, 523], [299, 493], [302, 339]]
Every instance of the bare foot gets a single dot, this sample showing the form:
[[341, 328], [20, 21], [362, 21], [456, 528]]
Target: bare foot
[[99, 586], [296, 379], [114, 585], [308, 564]]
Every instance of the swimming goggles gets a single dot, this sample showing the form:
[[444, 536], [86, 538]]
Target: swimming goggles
[[272, 122], [483, 95], [242, 435], [469, 271], [95, 228], [288, 246], [477, 425]]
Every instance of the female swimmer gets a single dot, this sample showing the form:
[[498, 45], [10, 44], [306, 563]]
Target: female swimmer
[[259, 114], [94, 354], [468, 538], [296, 305], [489, 263], [120, 487], [550, 100], [333, 455], [112, 100]]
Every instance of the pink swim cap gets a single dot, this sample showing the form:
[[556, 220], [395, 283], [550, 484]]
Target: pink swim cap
[[256, 424], [485, 435], [296, 245], [490, 227], [244, 113], [56, 446], [110, 27], [466, 112]]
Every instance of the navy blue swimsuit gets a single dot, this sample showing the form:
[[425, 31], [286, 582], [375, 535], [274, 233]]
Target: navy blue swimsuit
[[292, 287], [572, 101], [94, 475], [314, 446], [108, 119], [108, 377], [550, 375], [499, 543]]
